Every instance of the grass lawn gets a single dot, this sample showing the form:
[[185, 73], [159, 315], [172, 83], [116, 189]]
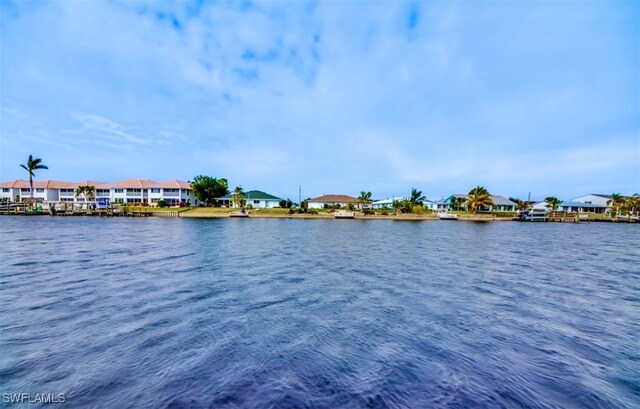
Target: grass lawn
[[211, 210]]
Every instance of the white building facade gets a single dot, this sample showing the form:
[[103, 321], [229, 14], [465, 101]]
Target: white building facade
[[143, 192]]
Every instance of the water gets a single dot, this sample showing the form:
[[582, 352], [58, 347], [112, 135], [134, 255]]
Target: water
[[177, 313]]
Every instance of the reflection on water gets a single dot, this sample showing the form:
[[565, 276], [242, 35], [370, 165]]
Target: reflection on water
[[319, 313]]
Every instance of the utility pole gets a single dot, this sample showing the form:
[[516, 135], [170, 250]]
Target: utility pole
[[529, 198], [299, 195]]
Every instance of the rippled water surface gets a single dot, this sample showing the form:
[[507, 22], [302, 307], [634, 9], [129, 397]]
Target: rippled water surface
[[319, 313]]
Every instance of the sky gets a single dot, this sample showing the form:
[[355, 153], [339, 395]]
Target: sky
[[539, 98]]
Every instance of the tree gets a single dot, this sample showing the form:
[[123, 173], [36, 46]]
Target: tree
[[87, 192], [285, 204], [365, 197], [552, 203], [162, 203], [237, 198], [520, 204], [207, 189], [416, 198], [479, 198], [402, 206], [31, 166], [632, 204], [455, 202], [617, 202]]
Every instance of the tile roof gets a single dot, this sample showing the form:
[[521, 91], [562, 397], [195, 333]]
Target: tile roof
[[334, 199], [127, 184]]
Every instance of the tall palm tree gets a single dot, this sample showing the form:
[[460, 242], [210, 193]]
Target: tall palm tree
[[553, 203], [31, 166], [617, 202], [479, 197], [238, 196], [365, 197]]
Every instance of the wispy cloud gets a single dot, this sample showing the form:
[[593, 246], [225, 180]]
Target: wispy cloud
[[336, 96]]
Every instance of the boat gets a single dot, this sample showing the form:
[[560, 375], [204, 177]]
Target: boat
[[447, 216], [343, 214], [533, 215], [241, 213]]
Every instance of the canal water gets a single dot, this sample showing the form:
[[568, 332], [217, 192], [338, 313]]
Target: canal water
[[177, 313]]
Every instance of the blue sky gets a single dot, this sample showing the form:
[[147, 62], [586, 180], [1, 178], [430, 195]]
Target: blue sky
[[338, 97]]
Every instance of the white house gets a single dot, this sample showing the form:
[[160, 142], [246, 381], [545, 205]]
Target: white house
[[256, 198], [332, 200], [572, 207], [594, 198], [386, 203]]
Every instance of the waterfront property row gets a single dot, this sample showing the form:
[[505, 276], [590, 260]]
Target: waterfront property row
[[180, 193]]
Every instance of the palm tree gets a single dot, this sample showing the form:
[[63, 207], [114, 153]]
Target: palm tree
[[455, 203], [617, 202], [520, 204], [553, 203], [237, 198], [86, 192], [632, 204], [31, 166], [479, 197], [365, 197], [416, 197]]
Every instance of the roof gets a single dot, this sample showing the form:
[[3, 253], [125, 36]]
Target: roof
[[253, 195], [128, 184], [334, 199], [497, 199], [388, 200], [570, 203]]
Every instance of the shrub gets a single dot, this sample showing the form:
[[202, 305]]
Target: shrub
[[162, 203]]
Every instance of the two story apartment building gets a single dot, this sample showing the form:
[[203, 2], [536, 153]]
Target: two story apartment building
[[130, 191]]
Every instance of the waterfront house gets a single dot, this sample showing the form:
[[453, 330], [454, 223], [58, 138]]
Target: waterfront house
[[572, 207], [594, 199], [323, 201], [256, 198], [501, 204], [430, 204], [386, 203]]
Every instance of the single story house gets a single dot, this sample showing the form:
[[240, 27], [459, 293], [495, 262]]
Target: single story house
[[501, 204], [332, 200], [386, 203], [573, 207], [256, 198], [595, 199]]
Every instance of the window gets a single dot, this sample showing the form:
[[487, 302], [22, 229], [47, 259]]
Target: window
[[40, 190], [171, 190], [25, 189], [118, 190], [102, 192], [5, 189], [134, 190], [66, 191], [155, 190], [256, 202], [119, 200]]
